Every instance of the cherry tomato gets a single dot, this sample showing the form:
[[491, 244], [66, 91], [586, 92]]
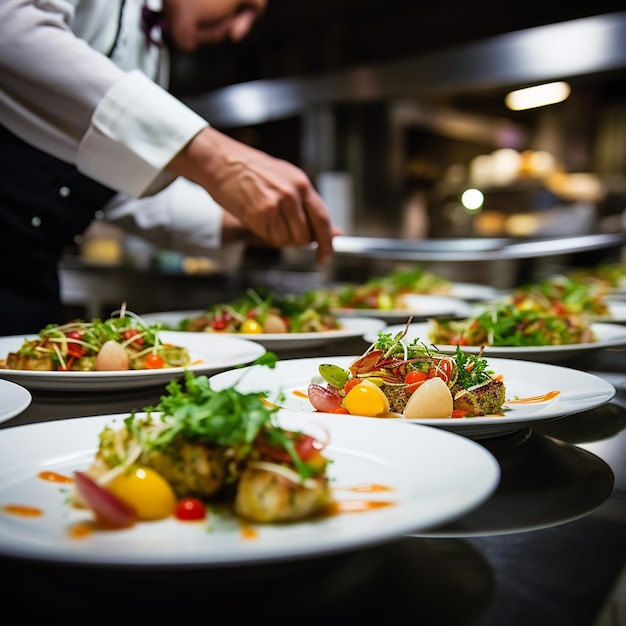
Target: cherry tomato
[[75, 349], [219, 323], [372, 301], [133, 332], [153, 361], [190, 509], [441, 370], [306, 447], [413, 380]]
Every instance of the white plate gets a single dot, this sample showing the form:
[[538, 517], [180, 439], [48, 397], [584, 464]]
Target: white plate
[[433, 476], [418, 307], [209, 353], [352, 327], [609, 335], [579, 391], [13, 399]]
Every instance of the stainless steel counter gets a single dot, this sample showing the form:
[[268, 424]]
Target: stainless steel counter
[[547, 548]]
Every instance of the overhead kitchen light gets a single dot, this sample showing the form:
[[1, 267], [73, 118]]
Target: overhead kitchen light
[[538, 96]]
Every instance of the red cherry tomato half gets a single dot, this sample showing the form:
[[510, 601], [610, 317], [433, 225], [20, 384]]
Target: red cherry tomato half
[[133, 332], [413, 380], [219, 323], [190, 509], [153, 361], [306, 447]]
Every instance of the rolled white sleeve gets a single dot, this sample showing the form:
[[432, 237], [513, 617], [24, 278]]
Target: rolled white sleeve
[[134, 133]]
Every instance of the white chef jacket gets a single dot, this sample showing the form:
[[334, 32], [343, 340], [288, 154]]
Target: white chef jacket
[[111, 117]]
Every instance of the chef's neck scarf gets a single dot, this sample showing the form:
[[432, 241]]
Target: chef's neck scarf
[[151, 20]]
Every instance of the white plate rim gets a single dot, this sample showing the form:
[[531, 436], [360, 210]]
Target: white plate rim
[[596, 392], [213, 354], [13, 399], [609, 335], [448, 494]]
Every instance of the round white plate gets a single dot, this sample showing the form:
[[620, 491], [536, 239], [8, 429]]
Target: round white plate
[[418, 307], [432, 477], [209, 354], [609, 335], [579, 391], [13, 399], [352, 327]]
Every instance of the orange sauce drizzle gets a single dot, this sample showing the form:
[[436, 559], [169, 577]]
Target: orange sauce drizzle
[[248, 532], [80, 530], [300, 394], [533, 399], [355, 506], [366, 488], [22, 510], [53, 477]]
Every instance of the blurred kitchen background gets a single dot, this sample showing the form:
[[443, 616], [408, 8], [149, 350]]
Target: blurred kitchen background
[[397, 110]]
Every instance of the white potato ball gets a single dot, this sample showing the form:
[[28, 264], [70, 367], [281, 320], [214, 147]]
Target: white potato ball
[[431, 399], [112, 357]]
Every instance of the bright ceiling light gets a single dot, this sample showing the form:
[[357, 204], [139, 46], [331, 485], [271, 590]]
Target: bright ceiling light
[[539, 96], [472, 199]]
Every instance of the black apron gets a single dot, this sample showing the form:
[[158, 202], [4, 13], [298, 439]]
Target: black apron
[[44, 204]]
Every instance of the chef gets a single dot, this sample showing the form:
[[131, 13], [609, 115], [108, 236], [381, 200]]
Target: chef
[[88, 128]]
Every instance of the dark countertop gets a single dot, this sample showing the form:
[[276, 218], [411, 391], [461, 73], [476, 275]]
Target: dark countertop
[[547, 548]]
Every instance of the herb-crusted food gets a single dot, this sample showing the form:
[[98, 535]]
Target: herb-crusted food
[[397, 369], [222, 447], [123, 342]]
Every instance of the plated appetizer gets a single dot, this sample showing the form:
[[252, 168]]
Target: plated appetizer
[[612, 276], [507, 324], [564, 295], [254, 313], [122, 342], [396, 378], [201, 448], [388, 292]]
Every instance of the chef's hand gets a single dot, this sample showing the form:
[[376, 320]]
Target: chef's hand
[[271, 197]]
